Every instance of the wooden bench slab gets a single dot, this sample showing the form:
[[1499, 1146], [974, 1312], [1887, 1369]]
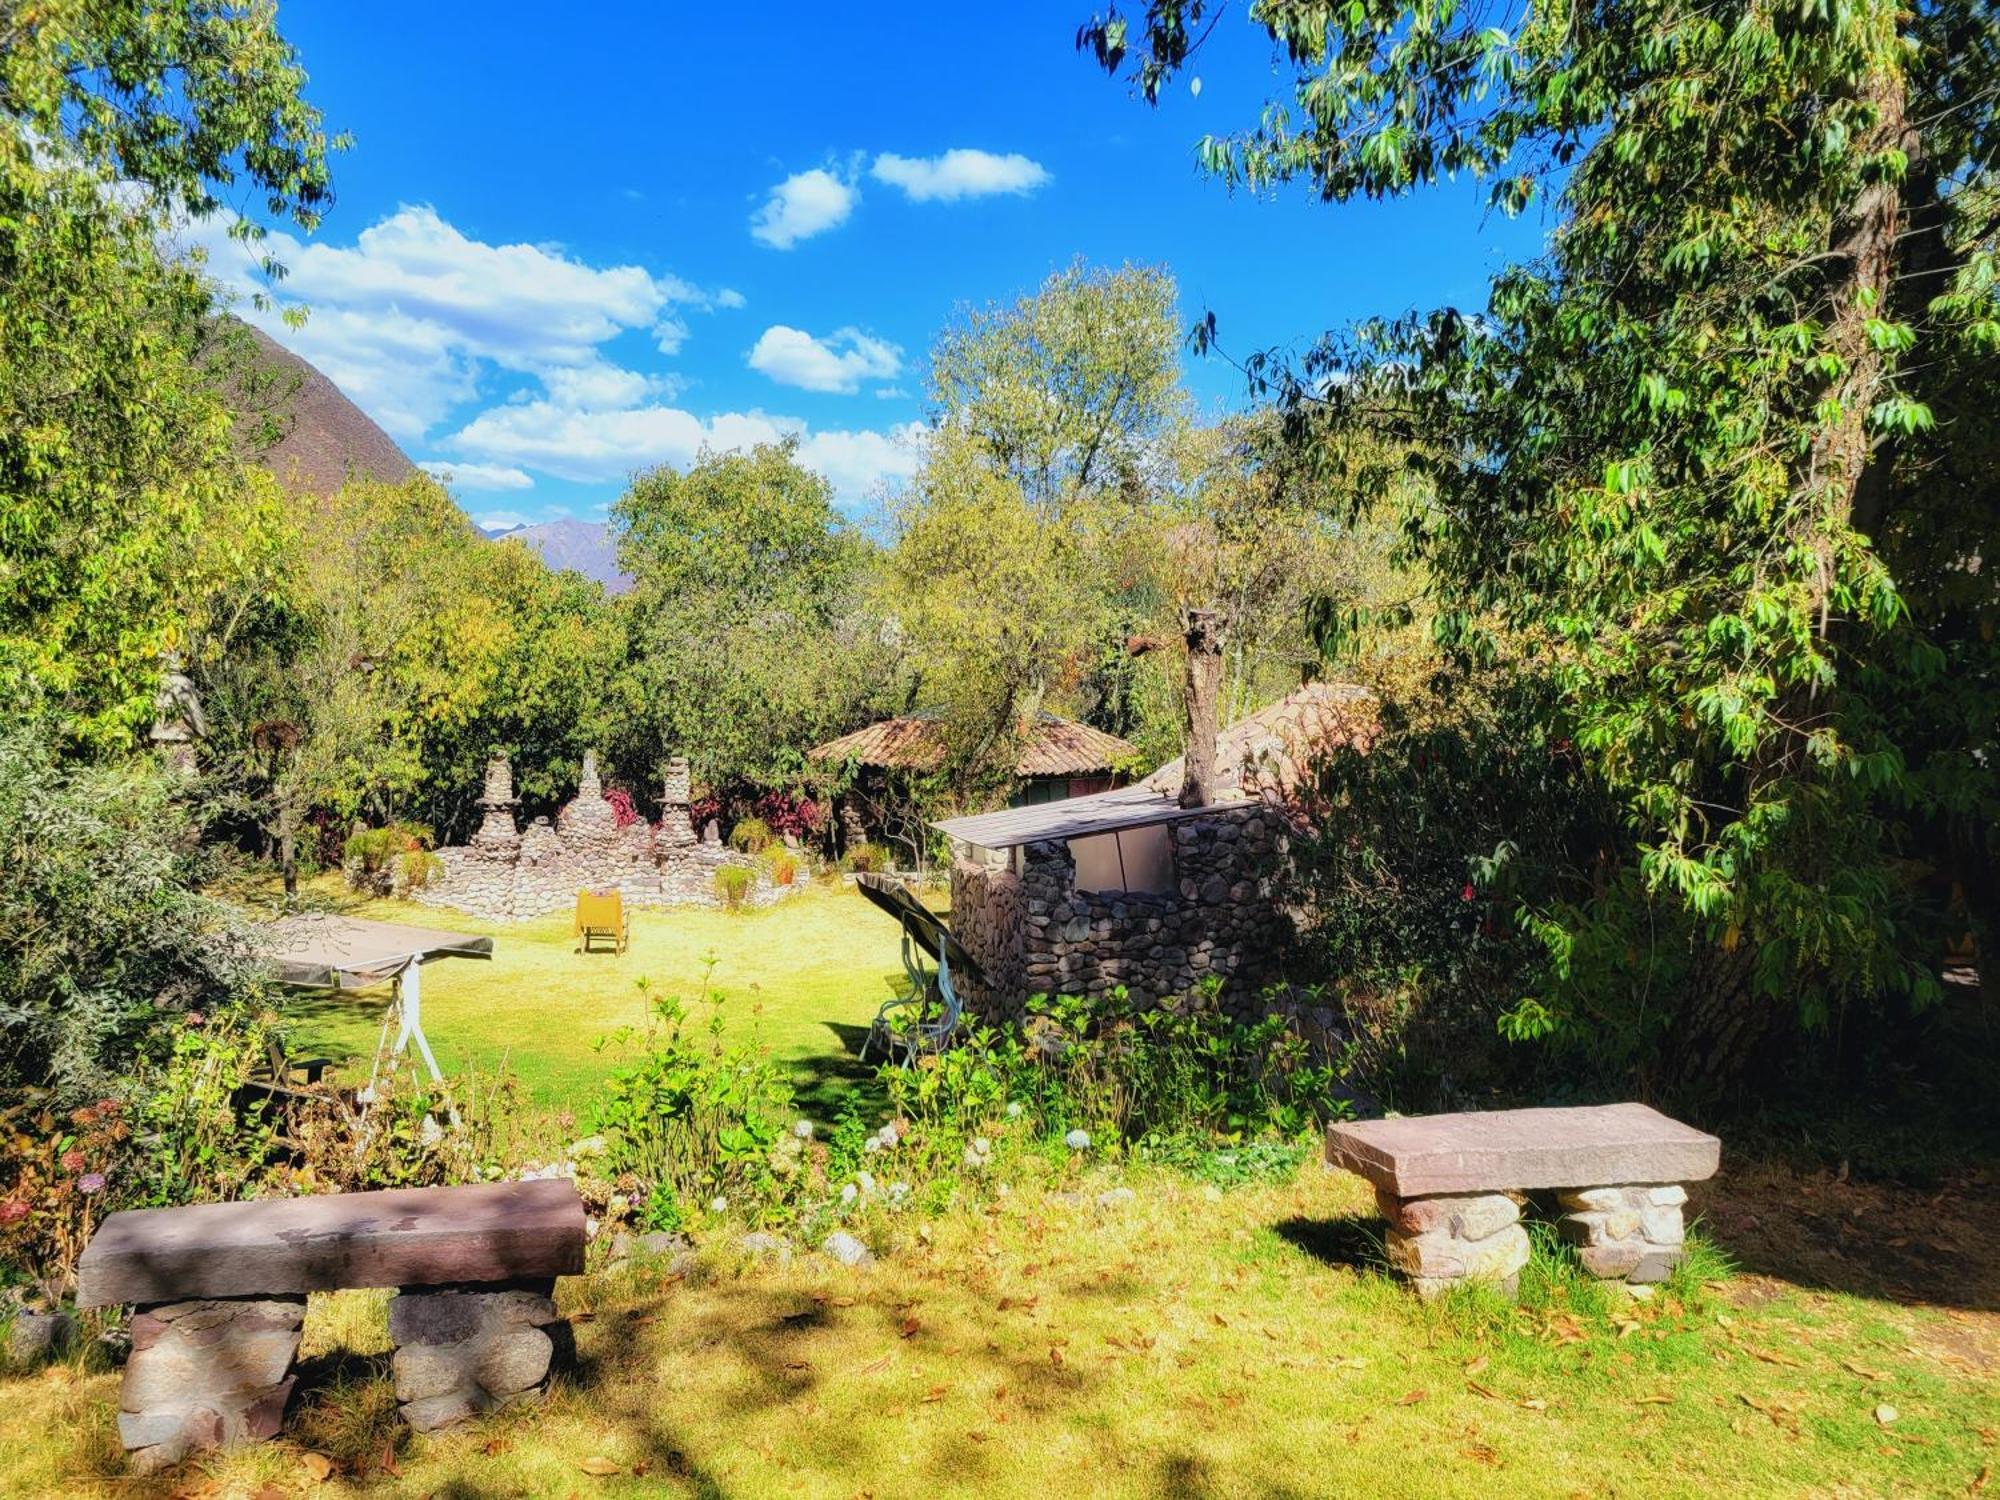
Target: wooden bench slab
[[501, 1231], [1494, 1151]]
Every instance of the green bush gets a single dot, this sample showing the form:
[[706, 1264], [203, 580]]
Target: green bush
[[780, 865], [868, 859], [732, 885], [106, 937], [751, 836], [695, 1118]]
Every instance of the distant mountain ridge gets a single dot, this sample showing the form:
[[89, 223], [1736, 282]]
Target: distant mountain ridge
[[588, 547], [323, 439]]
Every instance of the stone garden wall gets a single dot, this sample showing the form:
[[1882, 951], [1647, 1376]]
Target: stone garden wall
[[509, 874], [1034, 933]]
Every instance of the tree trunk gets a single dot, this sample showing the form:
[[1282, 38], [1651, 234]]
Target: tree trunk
[[1723, 1025], [1204, 689]]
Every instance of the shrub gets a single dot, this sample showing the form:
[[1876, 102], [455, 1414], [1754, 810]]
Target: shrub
[[732, 885], [59, 1173], [201, 1144], [106, 937], [751, 836], [868, 859], [412, 1132], [789, 815], [694, 1118], [623, 809], [780, 864]]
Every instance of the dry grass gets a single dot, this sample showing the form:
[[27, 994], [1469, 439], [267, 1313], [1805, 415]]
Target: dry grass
[[1186, 1343]]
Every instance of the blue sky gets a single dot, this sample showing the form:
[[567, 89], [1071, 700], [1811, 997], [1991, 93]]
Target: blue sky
[[570, 242]]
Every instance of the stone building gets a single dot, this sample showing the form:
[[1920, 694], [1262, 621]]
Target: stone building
[[1130, 888], [508, 873]]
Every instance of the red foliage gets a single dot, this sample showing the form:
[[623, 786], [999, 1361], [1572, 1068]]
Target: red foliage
[[790, 815], [622, 806]]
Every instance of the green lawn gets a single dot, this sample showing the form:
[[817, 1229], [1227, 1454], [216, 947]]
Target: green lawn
[[807, 974]]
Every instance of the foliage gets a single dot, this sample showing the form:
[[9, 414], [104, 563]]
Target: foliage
[[118, 118], [732, 885], [1712, 461], [412, 1131], [105, 936], [780, 864], [868, 859], [748, 646], [202, 1144], [694, 1117], [57, 1171], [751, 836]]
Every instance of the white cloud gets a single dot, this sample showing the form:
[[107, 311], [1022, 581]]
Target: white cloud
[[501, 520], [958, 174], [857, 463], [601, 446], [731, 298], [476, 476], [598, 385], [803, 205], [408, 317], [839, 362]]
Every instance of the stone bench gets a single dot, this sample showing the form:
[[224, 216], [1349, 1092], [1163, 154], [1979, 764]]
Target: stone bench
[[1450, 1187], [219, 1294]]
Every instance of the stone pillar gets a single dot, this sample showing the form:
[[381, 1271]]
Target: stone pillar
[[497, 837], [210, 1373], [676, 795], [465, 1350], [588, 820], [1438, 1242], [1631, 1233]]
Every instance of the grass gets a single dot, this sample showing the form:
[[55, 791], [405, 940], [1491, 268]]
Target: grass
[[808, 974], [1190, 1342]]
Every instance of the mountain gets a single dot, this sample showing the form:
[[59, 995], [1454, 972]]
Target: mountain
[[321, 436], [586, 546]]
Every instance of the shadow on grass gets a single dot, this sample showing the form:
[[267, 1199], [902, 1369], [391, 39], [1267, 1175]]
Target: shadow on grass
[[1348, 1243], [827, 1080]]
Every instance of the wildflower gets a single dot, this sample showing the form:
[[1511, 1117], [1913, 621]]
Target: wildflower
[[1467, 893], [13, 1211], [719, 1206], [195, 1018], [1077, 1140], [72, 1161], [91, 1182], [1014, 1110], [803, 1130], [849, 1193]]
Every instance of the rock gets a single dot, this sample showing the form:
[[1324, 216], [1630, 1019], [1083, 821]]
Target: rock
[[1611, 1261], [514, 1361], [846, 1249], [759, 1243], [429, 1318], [1654, 1265], [37, 1336], [425, 1370], [1471, 1216], [1672, 1195], [1662, 1226], [1115, 1197], [441, 1411], [151, 1429], [1589, 1200]]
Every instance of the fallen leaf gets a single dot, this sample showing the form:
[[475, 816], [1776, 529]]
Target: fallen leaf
[[1979, 1480], [1480, 1453], [316, 1466], [1660, 1400], [268, 1492], [494, 1447], [1412, 1398], [1534, 1403], [1055, 1356], [601, 1467], [1885, 1414], [1219, 1320], [387, 1462], [1474, 1366], [909, 1328], [936, 1393], [1482, 1390], [1865, 1373], [876, 1367], [977, 1437], [797, 1364]]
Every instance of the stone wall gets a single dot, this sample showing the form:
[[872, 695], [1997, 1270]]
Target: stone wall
[[1033, 933], [509, 874]]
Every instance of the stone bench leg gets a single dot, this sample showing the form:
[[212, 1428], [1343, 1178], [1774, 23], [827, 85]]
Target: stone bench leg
[[1441, 1241], [210, 1373], [1629, 1233], [465, 1350]]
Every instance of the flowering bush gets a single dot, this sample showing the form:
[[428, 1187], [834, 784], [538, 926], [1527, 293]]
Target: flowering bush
[[58, 1172], [790, 816], [623, 808]]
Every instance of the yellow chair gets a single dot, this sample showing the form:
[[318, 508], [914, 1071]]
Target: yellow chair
[[601, 915]]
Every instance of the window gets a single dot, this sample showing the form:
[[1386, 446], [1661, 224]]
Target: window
[[1133, 860]]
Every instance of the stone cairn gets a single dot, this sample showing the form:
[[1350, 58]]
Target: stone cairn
[[497, 836], [465, 1350], [214, 1372], [1441, 1240], [508, 873], [1633, 1234]]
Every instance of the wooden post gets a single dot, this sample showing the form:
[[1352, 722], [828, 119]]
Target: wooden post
[[1204, 689]]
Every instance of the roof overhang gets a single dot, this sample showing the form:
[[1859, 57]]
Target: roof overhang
[[1080, 817]]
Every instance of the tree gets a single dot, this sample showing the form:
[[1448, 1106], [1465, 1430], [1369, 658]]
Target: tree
[[1072, 390], [747, 645], [1694, 457], [114, 443]]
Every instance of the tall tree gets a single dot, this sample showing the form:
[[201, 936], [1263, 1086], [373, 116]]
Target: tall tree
[[747, 647], [1694, 457], [114, 119]]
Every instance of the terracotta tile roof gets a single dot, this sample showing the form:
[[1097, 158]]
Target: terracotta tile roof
[[1268, 754], [1055, 747]]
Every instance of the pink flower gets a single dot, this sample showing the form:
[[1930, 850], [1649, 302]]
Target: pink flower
[[195, 1018], [13, 1211], [91, 1182], [1467, 893], [72, 1161]]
